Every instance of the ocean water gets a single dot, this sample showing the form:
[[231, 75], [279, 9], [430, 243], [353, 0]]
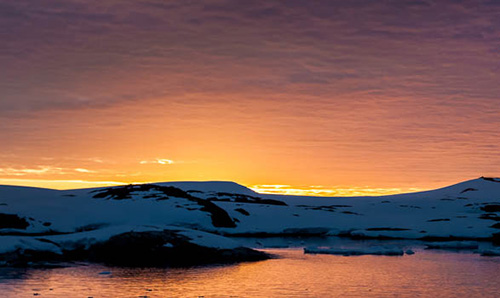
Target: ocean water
[[428, 273]]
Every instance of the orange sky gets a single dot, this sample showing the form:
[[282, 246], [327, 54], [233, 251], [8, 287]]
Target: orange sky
[[327, 99]]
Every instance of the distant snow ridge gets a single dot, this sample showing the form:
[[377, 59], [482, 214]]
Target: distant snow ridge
[[210, 186]]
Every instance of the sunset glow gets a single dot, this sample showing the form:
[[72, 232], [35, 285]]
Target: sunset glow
[[333, 99]]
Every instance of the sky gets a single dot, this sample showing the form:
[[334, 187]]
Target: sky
[[311, 97]]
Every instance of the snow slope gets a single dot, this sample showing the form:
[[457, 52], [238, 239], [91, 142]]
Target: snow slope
[[468, 210]]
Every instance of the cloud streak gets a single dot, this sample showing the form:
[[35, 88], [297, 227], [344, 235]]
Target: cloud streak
[[161, 161], [41, 170], [332, 47]]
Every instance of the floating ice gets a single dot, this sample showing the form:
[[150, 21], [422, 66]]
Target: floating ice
[[373, 250]]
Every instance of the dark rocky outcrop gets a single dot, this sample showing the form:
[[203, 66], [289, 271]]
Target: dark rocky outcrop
[[147, 249], [12, 221], [490, 216], [491, 179], [139, 249], [350, 212], [240, 198], [496, 226], [329, 208], [220, 218], [387, 229], [468, 189], [242, 211], [124, 192], [491, 208], [165, 248], [438, 219]]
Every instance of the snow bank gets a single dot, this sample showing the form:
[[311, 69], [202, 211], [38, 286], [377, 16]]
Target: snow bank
[[56, 221]]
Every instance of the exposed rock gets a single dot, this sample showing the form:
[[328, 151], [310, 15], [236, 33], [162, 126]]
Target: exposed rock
[[490, 216], [438, 219], [491, 179], [491, 208], [220, 218], [12, 221], [242, 211], [387, 229], [496, 226], [241, 198], [166, 248], [468, 189]]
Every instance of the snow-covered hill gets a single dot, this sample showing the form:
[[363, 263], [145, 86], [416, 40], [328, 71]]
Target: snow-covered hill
[[52, 220]]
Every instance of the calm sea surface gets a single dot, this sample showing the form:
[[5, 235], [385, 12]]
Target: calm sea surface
[[293, 274]]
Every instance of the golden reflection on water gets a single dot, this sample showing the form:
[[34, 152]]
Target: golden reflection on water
[[426, 274]]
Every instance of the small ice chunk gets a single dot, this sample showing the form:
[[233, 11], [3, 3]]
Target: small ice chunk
[[453, 245], [373, 250]]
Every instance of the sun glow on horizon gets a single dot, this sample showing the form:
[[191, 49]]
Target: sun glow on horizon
[[323, 191], [58, 184], [313, 190]]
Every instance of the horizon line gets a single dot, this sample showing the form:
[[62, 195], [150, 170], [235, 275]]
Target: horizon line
[[275, 189]]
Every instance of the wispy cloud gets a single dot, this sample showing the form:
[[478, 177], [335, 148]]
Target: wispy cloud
[[40, 170], [95, 159], [81, 170], [161, 161]]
